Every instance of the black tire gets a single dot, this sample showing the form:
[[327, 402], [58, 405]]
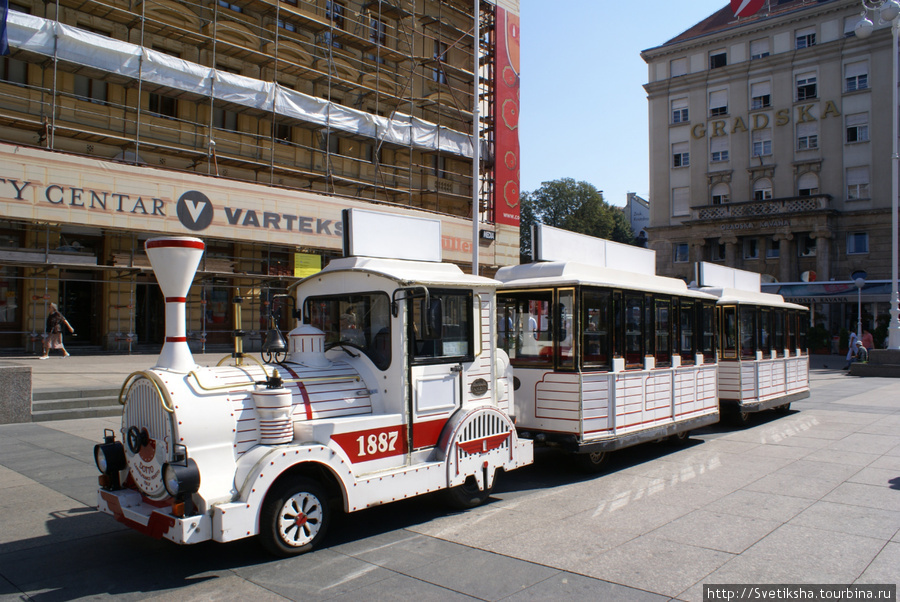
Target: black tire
[[785, 409], [294, 517], [467, 495], [592, 462], [679, 438], [740, 419]]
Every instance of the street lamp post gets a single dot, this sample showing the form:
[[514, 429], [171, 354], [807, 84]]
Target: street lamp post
[[860, 283], [888, 11]]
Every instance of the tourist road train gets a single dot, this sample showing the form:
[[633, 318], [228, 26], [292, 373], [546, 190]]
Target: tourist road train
[[406, 376]]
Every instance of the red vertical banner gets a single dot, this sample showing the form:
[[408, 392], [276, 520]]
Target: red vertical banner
[[506, 119]]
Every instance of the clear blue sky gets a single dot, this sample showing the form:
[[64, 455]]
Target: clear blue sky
[[583, 107]]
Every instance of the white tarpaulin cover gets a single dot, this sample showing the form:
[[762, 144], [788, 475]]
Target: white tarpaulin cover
[[43, 36]]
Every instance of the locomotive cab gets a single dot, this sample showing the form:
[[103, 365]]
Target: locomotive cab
[[391, 387]]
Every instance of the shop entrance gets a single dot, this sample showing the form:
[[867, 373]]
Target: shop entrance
[[149, 314], [79, 302]]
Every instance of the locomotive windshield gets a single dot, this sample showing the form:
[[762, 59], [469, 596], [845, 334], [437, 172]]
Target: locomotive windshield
[[362, 320]]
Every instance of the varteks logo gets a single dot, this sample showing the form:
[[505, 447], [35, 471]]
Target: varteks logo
[[194, 210]]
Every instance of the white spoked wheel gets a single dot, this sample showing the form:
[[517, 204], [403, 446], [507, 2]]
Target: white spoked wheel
[[294, 518]]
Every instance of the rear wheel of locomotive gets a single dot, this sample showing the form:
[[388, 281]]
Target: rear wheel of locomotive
[[294, 518], [467, 495]]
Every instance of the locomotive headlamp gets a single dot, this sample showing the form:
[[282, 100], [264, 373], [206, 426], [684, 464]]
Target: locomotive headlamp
[[110, 459], [181, 477]]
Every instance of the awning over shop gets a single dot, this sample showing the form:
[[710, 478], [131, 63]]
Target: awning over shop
[[831, 291]]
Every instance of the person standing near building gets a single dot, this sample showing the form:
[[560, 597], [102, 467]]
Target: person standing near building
[[53, 337], [851, 351], [868, 340]]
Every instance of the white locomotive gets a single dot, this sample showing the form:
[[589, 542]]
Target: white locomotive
[[392, 387]]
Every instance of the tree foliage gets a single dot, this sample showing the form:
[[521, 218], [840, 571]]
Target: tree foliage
[[574, 206]]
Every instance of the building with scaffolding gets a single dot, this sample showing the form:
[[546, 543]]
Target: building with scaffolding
[[249, 123], [770, 151]]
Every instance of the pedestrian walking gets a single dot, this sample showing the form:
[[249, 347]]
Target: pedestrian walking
[[53, 337], [851, 352]]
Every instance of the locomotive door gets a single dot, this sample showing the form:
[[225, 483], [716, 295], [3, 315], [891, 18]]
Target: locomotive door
[[441, 341]]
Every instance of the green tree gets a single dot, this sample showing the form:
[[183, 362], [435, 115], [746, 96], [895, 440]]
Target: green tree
[[574, 206]]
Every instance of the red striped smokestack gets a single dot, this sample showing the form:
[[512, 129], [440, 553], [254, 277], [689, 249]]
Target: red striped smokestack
[[175, 261]]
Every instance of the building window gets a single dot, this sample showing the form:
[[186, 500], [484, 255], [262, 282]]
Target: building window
[[90, 89], [681, 201], [377, 31], [440, 55], [163, 106], [225, 120], [772, 249], [751, 248], [857, 243], [716, 251], [762, 189], [718, 149], [334, 12], [680, 110], [439, 166], [857, 183], [807, 136], [681, 157], [235, 7], [329, 142], [806, 245], [808, 184], [283, 132], [856, 76], [717, 58], [373, 154], [13, 70], [681, 252], [805, 38], [762, 143], [720, 194], [678, 67], [806, 86], [761, 95], [718, 103], [287, 25], [857, 128], [759, 49]]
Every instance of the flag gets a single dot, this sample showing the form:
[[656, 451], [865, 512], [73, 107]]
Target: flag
[[4, 43], [746, 8]]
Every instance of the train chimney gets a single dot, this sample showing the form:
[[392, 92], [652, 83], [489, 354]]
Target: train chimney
[[175, 261]]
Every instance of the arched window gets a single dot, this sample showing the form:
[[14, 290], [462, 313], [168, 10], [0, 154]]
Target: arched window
[[721, 193], [762, 189], [808, 184]]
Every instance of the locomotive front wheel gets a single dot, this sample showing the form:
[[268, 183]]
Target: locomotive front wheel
[[467, 495], [591, 461], [294, 517]]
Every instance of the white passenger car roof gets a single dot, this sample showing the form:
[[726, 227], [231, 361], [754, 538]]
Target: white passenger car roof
[[409, 273], [560, 273], [731, 296], [732, 285]]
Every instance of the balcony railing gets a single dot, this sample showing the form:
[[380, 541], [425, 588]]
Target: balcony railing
[[796, 204]]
